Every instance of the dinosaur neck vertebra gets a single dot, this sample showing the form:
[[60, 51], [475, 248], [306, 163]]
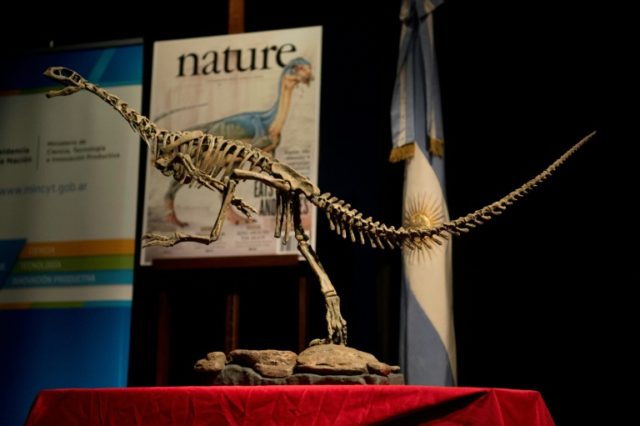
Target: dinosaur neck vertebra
[[141, 124], [74, 82]]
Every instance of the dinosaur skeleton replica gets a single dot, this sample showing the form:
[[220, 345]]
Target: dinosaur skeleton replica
[[197, 158]]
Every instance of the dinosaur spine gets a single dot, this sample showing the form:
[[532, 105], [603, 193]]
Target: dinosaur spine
[[348, 222], [205, 158]]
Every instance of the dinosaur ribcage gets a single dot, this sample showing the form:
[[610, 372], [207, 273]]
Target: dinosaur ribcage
[[217, 157]]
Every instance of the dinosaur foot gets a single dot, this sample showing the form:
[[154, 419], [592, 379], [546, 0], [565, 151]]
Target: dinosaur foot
[[329, 340], [316, 342], [168, 240], [337, 326], [161, 240]]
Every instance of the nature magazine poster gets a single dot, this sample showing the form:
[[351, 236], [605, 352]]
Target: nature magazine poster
[[262, 88]]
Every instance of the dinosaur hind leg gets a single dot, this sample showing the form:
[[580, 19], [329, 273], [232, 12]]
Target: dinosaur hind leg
[[227, 188], [336, 325], [227, 197], [168, 240]]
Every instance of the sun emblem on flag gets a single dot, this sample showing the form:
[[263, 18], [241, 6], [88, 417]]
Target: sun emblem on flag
[[423, 211]]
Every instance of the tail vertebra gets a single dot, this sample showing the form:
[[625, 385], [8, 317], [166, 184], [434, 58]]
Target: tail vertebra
[[349, 222]]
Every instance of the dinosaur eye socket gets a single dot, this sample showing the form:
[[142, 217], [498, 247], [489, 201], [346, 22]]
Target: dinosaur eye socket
[[64, 72]]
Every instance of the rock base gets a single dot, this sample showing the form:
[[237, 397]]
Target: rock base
[[318, 365], [234, 374]]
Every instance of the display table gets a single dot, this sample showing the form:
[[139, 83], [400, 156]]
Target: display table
[[317, 405]]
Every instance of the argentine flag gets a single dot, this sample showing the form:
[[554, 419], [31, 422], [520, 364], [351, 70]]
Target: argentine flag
[[427, 339]]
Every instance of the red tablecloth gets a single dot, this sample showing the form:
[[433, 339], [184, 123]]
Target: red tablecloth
[[301, 405]]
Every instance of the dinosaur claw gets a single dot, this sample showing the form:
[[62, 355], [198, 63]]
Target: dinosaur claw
[[244, 208]]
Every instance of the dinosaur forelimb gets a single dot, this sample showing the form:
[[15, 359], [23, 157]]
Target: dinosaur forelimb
[[282, 204], [244, 208], [279, 184], [215, 184]]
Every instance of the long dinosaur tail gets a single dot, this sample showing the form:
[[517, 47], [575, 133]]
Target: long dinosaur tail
[[349, 222]]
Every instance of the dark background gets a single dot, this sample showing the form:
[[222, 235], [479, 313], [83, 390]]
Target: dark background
[[542, 294]]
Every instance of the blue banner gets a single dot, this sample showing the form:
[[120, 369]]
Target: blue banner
[[68, 194]]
